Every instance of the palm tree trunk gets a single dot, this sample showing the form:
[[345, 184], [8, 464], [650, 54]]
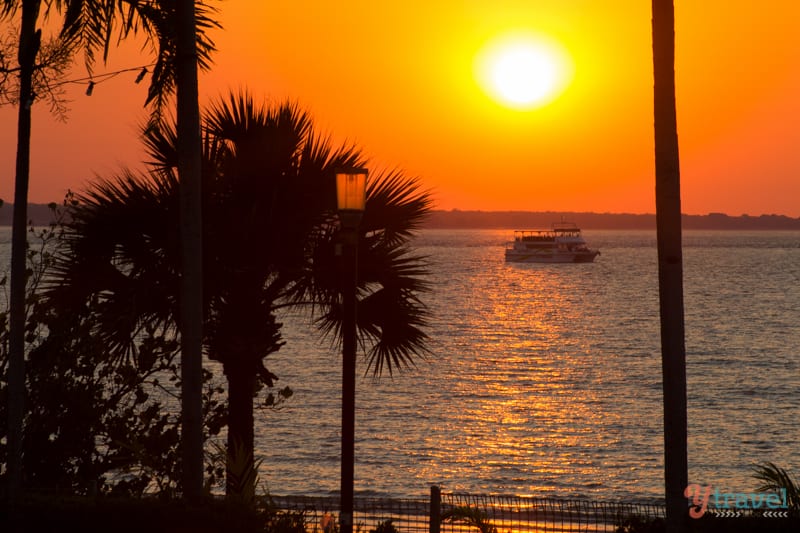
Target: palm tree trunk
[[670, 265], [29, 40], [240, 472], [189, 171]]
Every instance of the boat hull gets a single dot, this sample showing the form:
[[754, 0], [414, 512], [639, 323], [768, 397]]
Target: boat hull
[[513, 256]]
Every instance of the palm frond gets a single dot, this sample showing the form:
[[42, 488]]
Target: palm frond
[[118, 260], [775, 479], [161, 145], [396, 207], [391, 318], [397, 327], [8, 9], [233, 117], [89, 24], [92, 24]]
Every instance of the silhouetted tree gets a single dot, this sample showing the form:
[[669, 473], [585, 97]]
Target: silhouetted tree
[[670, 265], [97, 426], [29, 41], [53, 62], [90, 26], [190, 159], [269, 229]]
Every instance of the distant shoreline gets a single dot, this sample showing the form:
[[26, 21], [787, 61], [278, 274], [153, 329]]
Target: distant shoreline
[[457, 219], [40, 215]]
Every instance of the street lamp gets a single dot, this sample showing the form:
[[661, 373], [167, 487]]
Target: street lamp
[[351, 197]]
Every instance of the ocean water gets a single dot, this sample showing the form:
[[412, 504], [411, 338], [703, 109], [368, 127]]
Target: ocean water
[[545, 380]]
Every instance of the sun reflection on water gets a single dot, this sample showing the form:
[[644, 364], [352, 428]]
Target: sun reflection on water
[[525, 411]]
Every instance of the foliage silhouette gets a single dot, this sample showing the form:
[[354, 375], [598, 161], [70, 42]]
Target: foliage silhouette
[[471, 517], [87, 25], [98, 427], [386, 526], [269, 232], [774, 479]]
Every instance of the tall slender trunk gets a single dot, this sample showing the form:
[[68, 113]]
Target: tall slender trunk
[[670, 265], [240, 471], [189, 172], [29, 40]]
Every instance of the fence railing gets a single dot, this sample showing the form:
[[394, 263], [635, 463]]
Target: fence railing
[[517, 514], [447, 512]]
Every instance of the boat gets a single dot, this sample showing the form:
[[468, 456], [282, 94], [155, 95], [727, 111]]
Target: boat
[[562, 243]]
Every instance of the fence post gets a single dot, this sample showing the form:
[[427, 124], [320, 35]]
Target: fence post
[[436, 510]]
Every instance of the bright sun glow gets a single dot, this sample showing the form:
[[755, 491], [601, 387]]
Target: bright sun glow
[[523, 71]]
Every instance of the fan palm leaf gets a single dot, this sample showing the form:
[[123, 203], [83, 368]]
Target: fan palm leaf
[[120, 253], [391, 318], [775, 479]]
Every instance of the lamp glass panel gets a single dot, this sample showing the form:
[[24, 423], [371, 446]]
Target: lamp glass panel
[[351, 190]]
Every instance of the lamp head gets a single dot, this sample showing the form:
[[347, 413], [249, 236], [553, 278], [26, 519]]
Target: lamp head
[[351, 189]]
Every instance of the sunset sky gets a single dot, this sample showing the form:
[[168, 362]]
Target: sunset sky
[[405, 83]]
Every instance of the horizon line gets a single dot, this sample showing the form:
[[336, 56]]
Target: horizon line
[[519, 211], [609, 213]]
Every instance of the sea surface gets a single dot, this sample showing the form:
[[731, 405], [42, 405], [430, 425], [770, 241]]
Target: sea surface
[[545, 380]]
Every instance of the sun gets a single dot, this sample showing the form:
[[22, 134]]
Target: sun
[[523, 71]]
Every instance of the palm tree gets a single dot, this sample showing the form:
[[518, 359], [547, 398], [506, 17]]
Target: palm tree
[[89, 26], [189, 165], [670, 265], [269, 232], [179, 28]]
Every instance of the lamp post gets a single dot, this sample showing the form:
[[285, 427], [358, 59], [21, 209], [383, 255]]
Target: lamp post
[[351, 197]]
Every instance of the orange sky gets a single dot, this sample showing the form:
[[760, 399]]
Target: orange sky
[[399, 82]]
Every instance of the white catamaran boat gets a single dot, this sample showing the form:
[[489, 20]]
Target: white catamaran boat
[[562, 243]]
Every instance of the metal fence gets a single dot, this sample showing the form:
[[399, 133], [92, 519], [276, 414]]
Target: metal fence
[[469, 513], [406, 515], [516, 514]]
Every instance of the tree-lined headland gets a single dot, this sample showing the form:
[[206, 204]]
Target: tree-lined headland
[[41, 215], [457, 219]]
